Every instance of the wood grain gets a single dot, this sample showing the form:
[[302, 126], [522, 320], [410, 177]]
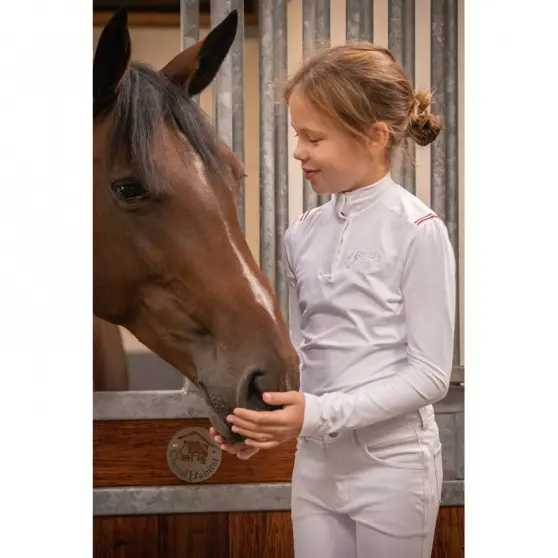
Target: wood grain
[[260, 535], [161, 19], [230, 535], [126, 537], [133, 453], [449, 541], [194, 535]]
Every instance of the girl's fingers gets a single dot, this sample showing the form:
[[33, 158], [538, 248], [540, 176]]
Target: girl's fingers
[[262, 445], [215, 436], [242, 451], [247, 453], [260, 436]]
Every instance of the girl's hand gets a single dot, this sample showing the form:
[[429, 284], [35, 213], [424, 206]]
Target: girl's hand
[[267, 429], [240, 450]]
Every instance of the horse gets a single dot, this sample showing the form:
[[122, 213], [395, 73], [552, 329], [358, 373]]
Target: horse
[[170, 261]]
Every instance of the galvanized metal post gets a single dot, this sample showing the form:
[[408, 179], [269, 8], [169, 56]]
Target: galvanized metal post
[[401, 42], [228, 91], [189, 35], [189, 25], [267, 141], [279, 16], [315, 35], [359, 20], [309, 197], [444, 151]]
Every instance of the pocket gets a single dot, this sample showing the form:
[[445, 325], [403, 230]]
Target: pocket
[[402, 452], [438, 476]]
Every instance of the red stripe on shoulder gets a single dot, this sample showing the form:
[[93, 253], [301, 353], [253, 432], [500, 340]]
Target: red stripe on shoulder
[[427, 218], [303, 216]]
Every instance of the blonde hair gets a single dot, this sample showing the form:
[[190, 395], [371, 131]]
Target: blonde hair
[[361, 84]]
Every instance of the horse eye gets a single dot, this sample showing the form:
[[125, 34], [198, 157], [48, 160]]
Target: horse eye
[[130, 190]]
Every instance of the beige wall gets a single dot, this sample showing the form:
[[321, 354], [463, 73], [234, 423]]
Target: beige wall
[[158, 45]]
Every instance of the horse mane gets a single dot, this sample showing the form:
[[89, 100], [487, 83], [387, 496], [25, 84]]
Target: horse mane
[[146, 98]]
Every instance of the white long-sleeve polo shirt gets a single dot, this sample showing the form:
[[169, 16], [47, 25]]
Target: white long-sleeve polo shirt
[[372, 307]]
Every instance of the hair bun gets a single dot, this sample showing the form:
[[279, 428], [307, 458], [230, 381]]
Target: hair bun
[[423, 126]]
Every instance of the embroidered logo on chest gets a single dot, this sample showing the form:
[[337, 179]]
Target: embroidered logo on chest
[[363, 262]]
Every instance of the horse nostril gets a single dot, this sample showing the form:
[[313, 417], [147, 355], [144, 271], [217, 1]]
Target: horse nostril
[[256, 388]]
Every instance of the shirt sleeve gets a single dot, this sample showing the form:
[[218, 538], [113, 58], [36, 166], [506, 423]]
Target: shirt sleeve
[[429, 298], [294, 310]]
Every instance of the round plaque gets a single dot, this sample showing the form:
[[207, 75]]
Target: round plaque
[[192, 455]]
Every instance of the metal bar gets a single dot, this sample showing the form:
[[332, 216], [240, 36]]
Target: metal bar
[[222, 85], [401, 42], [315, 36], [310, 198], [359, 20], [444, 153], [189, 23], [209, 498], [189, 35], [228, 91], [452, 155], [323, 27], [189, 26], [281, 154], [437, 73], [181, 404], [237, 59], [267, 141]]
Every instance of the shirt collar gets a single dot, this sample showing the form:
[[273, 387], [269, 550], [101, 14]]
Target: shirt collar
[[348, 203]]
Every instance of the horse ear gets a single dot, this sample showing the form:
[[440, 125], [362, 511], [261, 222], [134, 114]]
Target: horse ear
[[196, 66], [112, 58]]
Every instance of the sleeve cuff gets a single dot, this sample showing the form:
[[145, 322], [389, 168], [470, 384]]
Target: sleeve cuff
[[312, 415]]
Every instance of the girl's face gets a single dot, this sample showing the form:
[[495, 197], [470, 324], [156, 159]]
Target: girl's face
[[333, 161]]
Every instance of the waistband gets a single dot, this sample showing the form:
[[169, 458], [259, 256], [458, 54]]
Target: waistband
[[385, 431]]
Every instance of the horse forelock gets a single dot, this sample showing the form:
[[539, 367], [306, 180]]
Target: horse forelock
[[147, 100]]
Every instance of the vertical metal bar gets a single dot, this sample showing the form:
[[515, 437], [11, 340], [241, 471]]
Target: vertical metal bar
[[281, 154], [267, 141], [323, 23], [237, 55], [310, 198], [444, 151], [189, 22], [401, 42], [437, 78], [323, 27], [222, 85], [189, 34], [228, 90], [359, 20], [189, 25], [452, 167], [315, 35]]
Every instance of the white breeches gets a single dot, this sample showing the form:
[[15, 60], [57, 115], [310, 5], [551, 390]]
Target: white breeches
[[369, 493]]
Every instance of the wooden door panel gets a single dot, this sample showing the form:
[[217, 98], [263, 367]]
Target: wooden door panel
[[230, 535], [450, 533], [133, 453], [260, 535], [126, 537], [194, 535]]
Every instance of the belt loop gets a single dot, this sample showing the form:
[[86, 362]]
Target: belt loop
[[424, 417]]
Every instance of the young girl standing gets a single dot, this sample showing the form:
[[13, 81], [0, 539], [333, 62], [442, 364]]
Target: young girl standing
[[372, 290]]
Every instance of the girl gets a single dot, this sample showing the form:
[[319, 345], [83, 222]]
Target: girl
[[372, 290]]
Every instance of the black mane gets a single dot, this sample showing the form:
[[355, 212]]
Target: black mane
[[145, 100]]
